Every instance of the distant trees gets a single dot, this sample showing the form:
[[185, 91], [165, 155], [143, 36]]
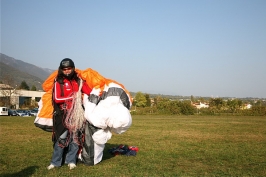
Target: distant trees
[[161, 105], [186, 108], [143, 104], [140, 100], [166, 106], [216, 103], [24, 86], [234, 105], [148, 100], [33, 88]]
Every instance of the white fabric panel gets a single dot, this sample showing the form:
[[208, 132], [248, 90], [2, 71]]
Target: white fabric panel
[[119, 119], [44, 121], [98, 152], [111, 112], [110, 115], [89, 107], [102, 136]]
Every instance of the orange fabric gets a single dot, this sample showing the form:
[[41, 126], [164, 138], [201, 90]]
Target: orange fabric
[[47, 107], [93, 79], [49, 82]]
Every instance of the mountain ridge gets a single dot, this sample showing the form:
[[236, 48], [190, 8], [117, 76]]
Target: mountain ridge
[[15, 71], [22, 66]]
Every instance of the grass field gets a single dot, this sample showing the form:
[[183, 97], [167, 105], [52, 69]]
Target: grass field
[[169, 146]]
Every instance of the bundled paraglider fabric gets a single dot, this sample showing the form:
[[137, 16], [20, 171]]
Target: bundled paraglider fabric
[[106, 108], [124, 150], [110, 91]]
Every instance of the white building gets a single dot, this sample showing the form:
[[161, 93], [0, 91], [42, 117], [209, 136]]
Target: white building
[[18, 97], [200, 105]]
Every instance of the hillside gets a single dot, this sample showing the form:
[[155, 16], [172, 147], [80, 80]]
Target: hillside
[[24, 67], [20, 71], [18, 76]]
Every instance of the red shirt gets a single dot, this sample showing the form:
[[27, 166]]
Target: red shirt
[[69, 87]]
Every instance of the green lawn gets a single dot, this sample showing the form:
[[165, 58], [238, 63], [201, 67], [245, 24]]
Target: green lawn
[[168, 146]]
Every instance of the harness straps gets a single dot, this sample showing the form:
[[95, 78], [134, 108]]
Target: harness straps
[[58, 128]]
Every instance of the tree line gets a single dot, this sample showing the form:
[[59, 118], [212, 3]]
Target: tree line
[[143, 104]]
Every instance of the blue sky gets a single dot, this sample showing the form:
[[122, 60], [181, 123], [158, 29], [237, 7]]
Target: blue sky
[[175, 47]]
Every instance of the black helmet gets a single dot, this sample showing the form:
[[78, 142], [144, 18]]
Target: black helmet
[[67, 62]]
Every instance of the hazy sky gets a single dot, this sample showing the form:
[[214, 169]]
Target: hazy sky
[[176, 47]]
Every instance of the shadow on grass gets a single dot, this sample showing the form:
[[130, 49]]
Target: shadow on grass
[[29, 171], [106, 154]]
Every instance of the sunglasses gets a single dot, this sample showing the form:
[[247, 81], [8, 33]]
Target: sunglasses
[[66, 69]]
